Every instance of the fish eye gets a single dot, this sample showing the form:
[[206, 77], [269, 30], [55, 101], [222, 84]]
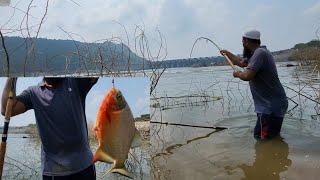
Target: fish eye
[[119, 95]]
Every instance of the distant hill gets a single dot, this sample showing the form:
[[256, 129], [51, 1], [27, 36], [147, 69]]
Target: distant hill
[[60, 56], [313, 43], [307, 53], [283, 55], [279, 56], [192, 62]]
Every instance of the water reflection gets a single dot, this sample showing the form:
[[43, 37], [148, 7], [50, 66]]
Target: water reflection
[[271, 159]]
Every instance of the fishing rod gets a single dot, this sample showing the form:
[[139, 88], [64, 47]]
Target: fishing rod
[[7, 116], [218, 47], [189, 125], [12, 93], [198, 126]]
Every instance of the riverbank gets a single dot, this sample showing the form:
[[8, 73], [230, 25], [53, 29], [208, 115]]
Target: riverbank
[[31, 130]]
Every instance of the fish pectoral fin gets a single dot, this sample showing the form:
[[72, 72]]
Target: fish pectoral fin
[[101, 155], [123, 171], [136, 142]]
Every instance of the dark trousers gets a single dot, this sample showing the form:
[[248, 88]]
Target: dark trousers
[[87, 174], [267, 126]]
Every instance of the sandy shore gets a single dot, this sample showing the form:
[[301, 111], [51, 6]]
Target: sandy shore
[[144, 128]]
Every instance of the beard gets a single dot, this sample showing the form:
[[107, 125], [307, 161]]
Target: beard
[[247, 52], [53, 81]]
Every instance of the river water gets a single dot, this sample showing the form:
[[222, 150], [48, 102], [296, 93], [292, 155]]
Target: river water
[[23, 161], [210, 96]]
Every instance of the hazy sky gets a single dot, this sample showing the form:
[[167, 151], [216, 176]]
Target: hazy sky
[[135, 90], [282, 23]]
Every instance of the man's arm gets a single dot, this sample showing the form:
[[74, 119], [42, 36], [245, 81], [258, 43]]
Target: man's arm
[[246, 75], [255, 65], [236, 60], [17, 107]]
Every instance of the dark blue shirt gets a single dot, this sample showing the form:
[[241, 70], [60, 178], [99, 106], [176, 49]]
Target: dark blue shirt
[[268, 94], [61, 121]]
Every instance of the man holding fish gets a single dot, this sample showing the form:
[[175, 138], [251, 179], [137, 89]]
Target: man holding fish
[[59, 107], [269, 97]]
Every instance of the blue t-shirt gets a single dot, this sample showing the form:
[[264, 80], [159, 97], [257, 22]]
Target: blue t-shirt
[[62, 126], [268, 94]]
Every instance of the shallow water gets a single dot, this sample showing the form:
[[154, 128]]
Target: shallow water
[[189, 153], [198, 153], [23, 160]]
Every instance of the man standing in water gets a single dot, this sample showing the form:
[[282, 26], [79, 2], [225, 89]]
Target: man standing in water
[[269, 97], [59, 107]]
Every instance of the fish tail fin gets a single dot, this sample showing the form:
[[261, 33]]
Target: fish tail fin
[[100, 155], [123, 171], [136, 139]]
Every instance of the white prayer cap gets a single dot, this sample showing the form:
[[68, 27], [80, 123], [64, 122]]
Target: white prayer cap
[[252, 34]]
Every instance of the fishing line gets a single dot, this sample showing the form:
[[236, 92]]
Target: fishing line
[[302, 94], [198, 126], [217, 46], [189, 125]]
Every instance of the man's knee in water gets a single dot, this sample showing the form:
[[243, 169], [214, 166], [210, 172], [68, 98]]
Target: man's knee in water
[[267, 127]]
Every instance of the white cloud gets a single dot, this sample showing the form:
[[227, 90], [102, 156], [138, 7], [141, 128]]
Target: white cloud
[[315, 9], [180, 21], [141, 105], [262, 10]]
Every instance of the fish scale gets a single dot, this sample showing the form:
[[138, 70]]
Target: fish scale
[[115, 131], [118, 146]]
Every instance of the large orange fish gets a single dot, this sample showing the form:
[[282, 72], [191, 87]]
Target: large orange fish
[[115, 131]]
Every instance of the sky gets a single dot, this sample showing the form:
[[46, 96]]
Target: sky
[[135, 91], [282, 23]]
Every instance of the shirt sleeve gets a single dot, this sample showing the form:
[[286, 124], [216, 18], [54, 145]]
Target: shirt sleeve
[[85, 84], [25, 98], [245, 60], [257, 60], [244, 63]]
